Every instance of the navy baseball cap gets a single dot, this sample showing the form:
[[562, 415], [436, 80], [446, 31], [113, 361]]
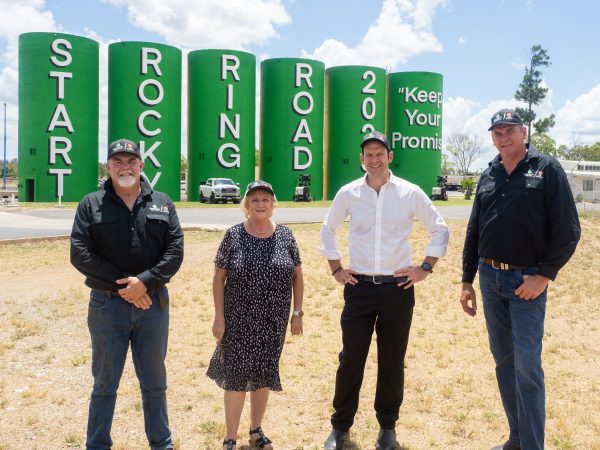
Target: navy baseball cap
[[375, 136], [259, 184], [506, 117], [123, 146]]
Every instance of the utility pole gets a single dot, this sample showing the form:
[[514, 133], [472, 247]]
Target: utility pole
[[4, 169]]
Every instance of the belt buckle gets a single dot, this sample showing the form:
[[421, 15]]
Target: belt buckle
[[376, 277], [500, 265]]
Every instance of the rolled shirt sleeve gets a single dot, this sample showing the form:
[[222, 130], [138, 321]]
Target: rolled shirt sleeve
[[335, 217]]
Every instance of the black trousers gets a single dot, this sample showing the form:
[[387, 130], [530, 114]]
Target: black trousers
[[387, 309]]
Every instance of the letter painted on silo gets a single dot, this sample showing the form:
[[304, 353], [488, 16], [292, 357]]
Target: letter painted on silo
[[302, 104], [58, 145], [228, 155], [416, 118], [368, 108], [151, 93]]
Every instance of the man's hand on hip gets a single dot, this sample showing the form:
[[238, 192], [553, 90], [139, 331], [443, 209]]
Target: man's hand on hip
[[414, 274], [345, 276]]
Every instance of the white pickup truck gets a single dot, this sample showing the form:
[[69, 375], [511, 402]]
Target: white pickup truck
[[214, 190]]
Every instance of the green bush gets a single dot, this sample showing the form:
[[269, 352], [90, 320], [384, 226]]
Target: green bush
[[467, 185]]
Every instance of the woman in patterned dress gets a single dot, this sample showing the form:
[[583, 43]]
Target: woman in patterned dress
[[257, 268]]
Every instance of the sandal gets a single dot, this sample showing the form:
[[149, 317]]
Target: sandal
[[229, 444], [262, 441]]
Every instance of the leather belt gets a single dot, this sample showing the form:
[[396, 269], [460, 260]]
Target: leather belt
[[381, 279], [501, 265]]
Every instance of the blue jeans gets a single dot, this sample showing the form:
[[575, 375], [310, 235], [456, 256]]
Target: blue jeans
[[515, 331], [113, 324]]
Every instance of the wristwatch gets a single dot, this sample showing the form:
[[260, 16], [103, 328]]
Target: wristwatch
[[427, 267], [297, 313]]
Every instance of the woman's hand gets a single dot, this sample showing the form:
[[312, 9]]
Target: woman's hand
[[218, 328], [296, 325]]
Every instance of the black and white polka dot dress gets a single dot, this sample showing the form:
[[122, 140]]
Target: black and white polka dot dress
[[258, 293]]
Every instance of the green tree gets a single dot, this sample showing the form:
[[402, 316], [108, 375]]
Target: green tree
[[464, 150], [545, 144], [589, 152], [447, 166], [102, 173], [542, 126], [467, 185], [533, 93], [12, 168], [184, 167], [580, 152]]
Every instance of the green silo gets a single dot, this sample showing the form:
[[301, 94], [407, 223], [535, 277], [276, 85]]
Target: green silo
[[356, 106], [221, 117], [291, 126], [415, 126], [144, 105], [58, 117]]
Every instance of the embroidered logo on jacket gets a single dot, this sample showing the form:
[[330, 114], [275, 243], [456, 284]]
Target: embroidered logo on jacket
[[162, 209], [535, 174]]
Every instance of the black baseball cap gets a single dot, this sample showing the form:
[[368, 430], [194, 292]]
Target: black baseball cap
[[506, 117], [375, 136], [123, 146], [259, 184]]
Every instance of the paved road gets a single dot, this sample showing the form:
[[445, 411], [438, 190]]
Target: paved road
[[35, 223]]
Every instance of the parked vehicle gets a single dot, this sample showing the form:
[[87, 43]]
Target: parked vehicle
[[216, 190], [453, 182], [302, 191], [440, 192]]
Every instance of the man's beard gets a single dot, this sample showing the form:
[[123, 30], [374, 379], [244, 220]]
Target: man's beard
[[126, 181]]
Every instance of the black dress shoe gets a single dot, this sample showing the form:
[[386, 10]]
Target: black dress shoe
[[511, 445], [508, 445], [386, 439], [336, 439]]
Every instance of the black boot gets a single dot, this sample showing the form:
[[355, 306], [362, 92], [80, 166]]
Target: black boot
[[336, 439], [386, 439]]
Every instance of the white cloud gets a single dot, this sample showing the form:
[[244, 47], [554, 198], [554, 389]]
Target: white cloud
[[462, 40], [197, 24], [578, 121], [17, 17], [467, 116], [402, 30]]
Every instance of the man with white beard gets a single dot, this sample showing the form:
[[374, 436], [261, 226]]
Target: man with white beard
[[127, 241]]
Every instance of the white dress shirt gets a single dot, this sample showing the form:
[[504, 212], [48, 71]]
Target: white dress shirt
[[380, 225]]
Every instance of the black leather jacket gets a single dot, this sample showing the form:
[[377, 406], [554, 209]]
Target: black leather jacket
[[108, 241]]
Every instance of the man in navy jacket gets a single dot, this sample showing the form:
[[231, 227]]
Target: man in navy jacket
[[523, 229], [127, 241]]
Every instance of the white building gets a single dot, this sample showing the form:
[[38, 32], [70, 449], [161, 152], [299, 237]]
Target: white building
[[584, 177]]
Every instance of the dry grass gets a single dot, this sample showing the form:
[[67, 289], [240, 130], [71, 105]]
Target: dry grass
[[451, 400]]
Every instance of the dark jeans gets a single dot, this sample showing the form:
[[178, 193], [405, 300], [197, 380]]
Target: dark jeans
[[515, 330], [387, 309], [113, 324]]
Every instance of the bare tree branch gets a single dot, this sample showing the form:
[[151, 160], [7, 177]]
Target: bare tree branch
[[464, 150]]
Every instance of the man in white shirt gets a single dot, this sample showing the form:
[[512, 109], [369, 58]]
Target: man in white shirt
[[378, 283]]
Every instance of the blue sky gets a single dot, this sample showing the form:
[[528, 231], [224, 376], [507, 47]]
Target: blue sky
[[480, 47]]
